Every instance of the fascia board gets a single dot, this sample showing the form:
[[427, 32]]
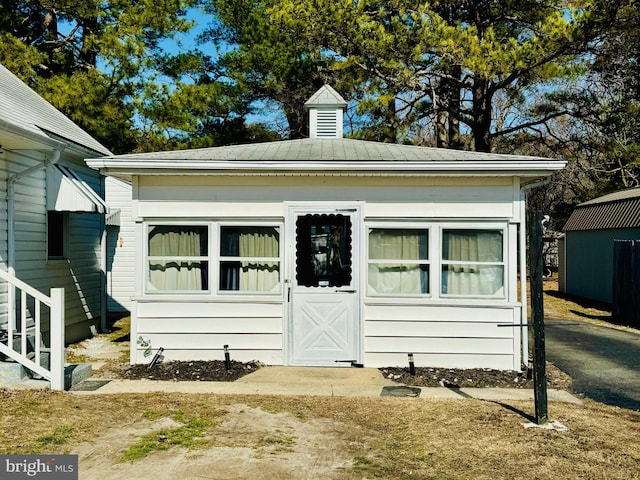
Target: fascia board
[[364, 167]]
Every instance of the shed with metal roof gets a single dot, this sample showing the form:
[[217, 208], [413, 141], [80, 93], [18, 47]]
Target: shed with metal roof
[[589, 236]]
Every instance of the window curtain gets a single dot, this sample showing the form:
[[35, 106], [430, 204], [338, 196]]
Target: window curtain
[[409, 278], [172, 241], [259, 277], [472, 278], [249, 242]]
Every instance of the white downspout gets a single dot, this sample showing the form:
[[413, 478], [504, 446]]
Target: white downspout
[[103, 268], [523, 263]]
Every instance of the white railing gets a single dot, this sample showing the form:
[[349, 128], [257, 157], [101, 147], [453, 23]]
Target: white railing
[[17, 328]]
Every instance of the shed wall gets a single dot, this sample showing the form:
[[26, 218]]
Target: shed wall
[[590, 275]]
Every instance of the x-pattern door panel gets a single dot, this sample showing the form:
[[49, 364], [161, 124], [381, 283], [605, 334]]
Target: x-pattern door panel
[[323, 326]]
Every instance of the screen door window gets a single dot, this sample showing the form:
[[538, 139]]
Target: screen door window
[[323, 246]]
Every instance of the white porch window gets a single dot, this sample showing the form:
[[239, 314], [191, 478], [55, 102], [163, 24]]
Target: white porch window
[[472, 262], [398, 262], [178, 258], [250, 259]]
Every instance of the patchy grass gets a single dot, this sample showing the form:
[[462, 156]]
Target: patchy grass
[[59, 436], [110, 349], [386, 438], [567, 307], [191, 435], [561, 306]]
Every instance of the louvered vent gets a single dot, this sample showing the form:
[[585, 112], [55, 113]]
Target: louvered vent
[[326, 108], [327, 123]]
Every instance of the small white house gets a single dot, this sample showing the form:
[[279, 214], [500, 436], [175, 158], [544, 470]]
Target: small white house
[[52, 212], [329, 251]]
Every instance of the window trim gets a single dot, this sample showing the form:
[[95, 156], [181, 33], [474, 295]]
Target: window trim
[[218, 258], [436, 230], [213, 258], [480, 226], [148, 258], [422, 226]]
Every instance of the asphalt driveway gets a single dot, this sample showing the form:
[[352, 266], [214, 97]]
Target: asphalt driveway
[[604, 362]]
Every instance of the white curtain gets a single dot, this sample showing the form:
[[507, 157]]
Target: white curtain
[[472, 278], [174, 241], [262, 276], [398, 278]]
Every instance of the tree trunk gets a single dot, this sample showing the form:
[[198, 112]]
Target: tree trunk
[[88, 53], [481, 111], [298, 122], [454, 109], [442, 134]]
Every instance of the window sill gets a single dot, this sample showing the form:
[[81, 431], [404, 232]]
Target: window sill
[[443, 302], [207, 298]]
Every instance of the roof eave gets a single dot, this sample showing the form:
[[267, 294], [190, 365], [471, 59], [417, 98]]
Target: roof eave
[[388, 168], [49, 140]]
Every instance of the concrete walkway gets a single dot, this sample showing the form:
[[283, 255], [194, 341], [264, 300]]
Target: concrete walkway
[[313, 381]]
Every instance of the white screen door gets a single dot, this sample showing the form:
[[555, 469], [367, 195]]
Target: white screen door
[[324, 314]]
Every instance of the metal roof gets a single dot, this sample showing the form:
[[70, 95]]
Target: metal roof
[[613, 211], [336, 156], [326, 150], [24, 112], [324, 155]]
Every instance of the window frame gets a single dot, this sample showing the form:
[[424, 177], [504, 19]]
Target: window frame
[[418, 226], [502, 228], [64, 226], [218, 258], [213, 258], [436, 229], [199, 258]]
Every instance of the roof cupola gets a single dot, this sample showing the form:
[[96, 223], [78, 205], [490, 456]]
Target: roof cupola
[[326, 108]]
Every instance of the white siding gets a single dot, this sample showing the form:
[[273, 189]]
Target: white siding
[[444, 336], [4, 166], [453, 333], [199, 331], [233, 196], [79, 274], [121, 248]]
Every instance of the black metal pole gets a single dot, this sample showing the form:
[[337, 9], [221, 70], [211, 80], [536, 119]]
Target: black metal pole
[[156, 358], [227, 358], [412, 366], [537, 314]]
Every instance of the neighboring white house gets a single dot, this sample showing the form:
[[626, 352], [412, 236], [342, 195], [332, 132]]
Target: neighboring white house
[[51, 210], [327, 251], [121, 247]]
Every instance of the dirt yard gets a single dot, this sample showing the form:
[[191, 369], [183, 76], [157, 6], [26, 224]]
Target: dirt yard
[[246, 443], [181, 436], [169, 436]]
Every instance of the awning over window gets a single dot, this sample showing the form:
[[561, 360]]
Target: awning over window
[[112, 218], [68, 192]]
